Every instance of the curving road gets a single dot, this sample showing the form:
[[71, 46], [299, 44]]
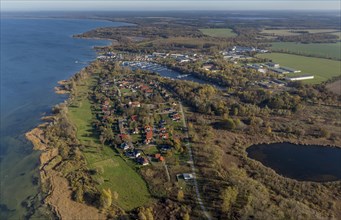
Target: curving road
[[200, 202]]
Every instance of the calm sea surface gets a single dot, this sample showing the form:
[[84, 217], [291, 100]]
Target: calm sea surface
[[35, 54]]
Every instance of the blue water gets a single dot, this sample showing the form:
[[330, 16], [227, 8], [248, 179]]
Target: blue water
[[35, 54]]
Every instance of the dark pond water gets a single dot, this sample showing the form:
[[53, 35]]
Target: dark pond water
[[304, 163]]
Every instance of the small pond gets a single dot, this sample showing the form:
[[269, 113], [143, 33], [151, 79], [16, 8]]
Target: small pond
[[300, 162]]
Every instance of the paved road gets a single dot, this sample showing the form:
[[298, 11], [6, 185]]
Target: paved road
[[203, 208]]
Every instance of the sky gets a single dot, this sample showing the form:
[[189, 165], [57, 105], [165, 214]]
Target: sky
[[112, 5]]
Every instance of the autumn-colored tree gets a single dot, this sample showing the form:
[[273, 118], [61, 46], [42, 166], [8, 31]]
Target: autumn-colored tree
[[229, 124], [229, 196], [106, 198], [186, 216], [181, 195], [145, 214]]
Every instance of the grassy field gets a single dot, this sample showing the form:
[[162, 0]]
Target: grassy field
[[327, 50], [322, 69], [290, 32], [113, 171], [218, 32]]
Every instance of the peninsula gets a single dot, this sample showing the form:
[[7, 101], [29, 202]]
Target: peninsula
[[157, 127]]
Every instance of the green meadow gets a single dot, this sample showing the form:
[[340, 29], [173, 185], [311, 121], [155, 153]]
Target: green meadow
[[322, 69], [113, 171], [324, 50], [218, 32]]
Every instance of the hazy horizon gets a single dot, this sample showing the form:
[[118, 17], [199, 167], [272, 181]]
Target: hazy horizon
[[170, 5]]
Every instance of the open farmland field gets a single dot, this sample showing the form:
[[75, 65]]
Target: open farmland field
[[291, 32], [322, 69], [218, 32], [324, 50]]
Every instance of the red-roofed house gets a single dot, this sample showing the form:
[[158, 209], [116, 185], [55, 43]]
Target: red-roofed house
[[149, 137], [124, 137], [134, 117], [164, 136]]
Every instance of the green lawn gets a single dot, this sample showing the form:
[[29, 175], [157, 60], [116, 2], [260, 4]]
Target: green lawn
[[218, 32], [136, 137], [125, 91], [81, 116], [326, 50], [322, 69], [113, 171], [150, 149]]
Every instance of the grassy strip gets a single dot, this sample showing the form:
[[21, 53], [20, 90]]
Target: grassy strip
[[112, 171]]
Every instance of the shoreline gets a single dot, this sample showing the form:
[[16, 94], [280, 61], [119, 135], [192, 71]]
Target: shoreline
[[112, 42], [20, 167], [303, 143], [52, 184], [57, 187], [82, 172]]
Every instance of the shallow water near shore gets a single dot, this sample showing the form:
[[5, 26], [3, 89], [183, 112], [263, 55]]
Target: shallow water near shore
[[35, 54], [300, 162]]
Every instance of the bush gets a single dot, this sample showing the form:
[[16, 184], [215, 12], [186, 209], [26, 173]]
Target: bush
[[229, 124], [106, 198], [229, 196]]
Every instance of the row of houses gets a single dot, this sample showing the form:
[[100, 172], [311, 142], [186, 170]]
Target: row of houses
[[110, 56], [272, 83], [132, 153], [243, 50], [239, 52], [180, 58]]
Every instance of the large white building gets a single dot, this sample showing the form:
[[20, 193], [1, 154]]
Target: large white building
[[297, 78]]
